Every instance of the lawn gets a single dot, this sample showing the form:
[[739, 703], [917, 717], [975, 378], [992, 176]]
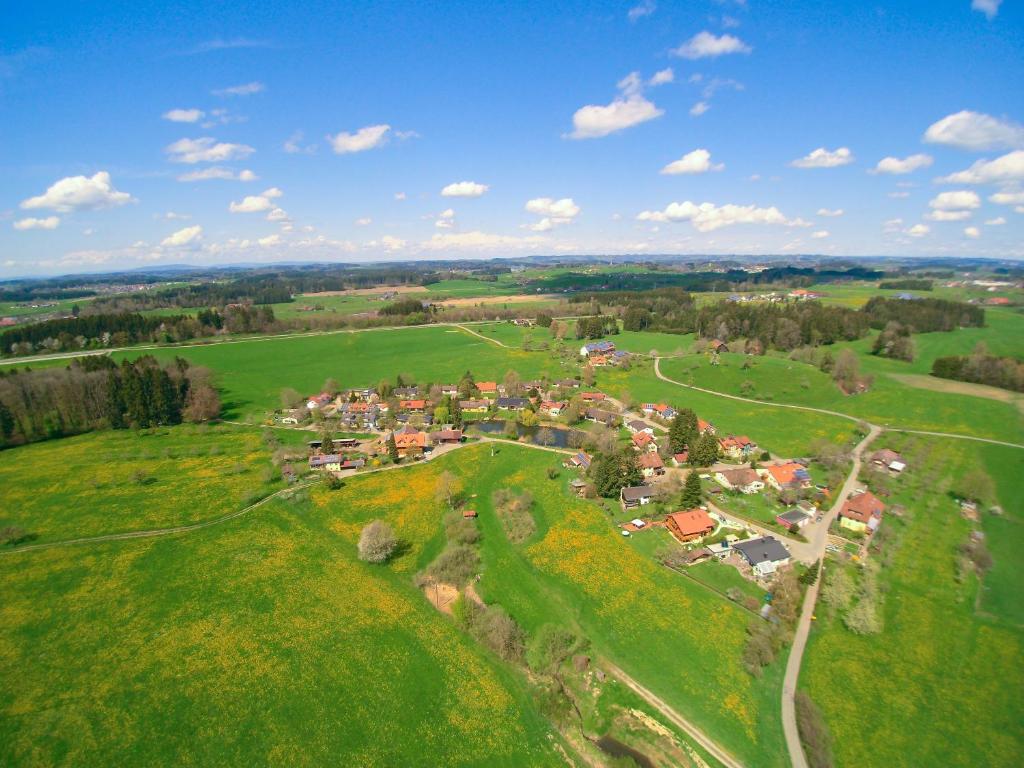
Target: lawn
[[759, 507], [117, 481], [903, 697]]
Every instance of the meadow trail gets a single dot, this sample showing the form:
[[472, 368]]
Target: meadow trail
[[471, 332], [678, 720], [154, 532]]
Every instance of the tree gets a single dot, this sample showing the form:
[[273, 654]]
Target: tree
[[693, 493], [545, 436], [588, 375], [862, 618], [377, 542], [544, 319], [447, 488], [202, 403], [290, 398], [326, 438], [528, 418], [814, 733], [682, 432], [704, 452], [977, 486], [392, 447], [811, 574], [512, 383], [330, 386], [846, 370]]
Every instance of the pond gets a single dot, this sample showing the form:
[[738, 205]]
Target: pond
[[612, 746], [559, 438]]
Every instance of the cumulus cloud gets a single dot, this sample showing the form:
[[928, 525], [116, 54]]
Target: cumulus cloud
[[277, 214], [400, 196], [627, 109], [644, 8], [989, 7], [975, 131], [830, 212], [899, 195], [698, 161], [998, 221], [824, 158], [821, 234], [183, 115], [948, 215], [183, 237], [218, 172], [1009, 167], [952, 201], [1007, 198], [553, 212], [79, 193], [699, 108], [708, 45], [392, 243], [269, 241], [707, 217], [918, 230], [293, 145], [895, 165], [245, 89], [205, 150], [368, 137], [464, 189], [256, 203], [972, 232], [50, 222], [662, 76], [445, 219]]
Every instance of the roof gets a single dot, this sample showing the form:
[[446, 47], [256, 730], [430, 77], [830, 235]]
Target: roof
[[636, 492], [568, 382], [582, 459], [886, 456], [599, 415], [638, 425], [328, 458], [593, 395], [742, 476], [446, 434], [793, 517], [762, 550], [682, 457], [512, 402], [642, 439], [407, 437], [487, 386], [739, 441], [599, 346], [790, 472], [703, 426], [651, 461], [578, 483], [863, 507], [412, 404], [470, 404], [692, 522], [549, 405]]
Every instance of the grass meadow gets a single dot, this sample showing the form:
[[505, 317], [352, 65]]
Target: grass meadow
[[940, 685]]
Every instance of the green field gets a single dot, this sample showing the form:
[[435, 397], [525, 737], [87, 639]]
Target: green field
[[949, 652]]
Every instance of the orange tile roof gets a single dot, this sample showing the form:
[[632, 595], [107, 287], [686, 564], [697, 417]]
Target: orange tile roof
[[487, 386], [863, 507], [784, 473], [692, 522]]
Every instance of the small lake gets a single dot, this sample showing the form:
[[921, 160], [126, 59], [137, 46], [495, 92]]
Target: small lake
[[559, 436], [612, 746]]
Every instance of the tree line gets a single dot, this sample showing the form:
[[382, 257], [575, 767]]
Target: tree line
[[96, 393], [982, 368], [923, 315]]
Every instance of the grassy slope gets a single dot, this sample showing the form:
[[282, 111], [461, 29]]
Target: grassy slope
[[940, 685]]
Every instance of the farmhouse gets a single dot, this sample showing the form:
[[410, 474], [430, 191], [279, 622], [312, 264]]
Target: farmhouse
[[794, 518], [410, 441], [689, 525], [862, 512], [744, 480], [553, 408], [765, 554], [579, 461], [446, 437], [318, 401], [636, 496], [737, 447], [619, 357], [597, 348], [651, 465], [786, 477], [330, 462], [888, 459], [599, 360]]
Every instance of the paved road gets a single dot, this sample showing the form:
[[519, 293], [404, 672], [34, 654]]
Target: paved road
[[678, 720]]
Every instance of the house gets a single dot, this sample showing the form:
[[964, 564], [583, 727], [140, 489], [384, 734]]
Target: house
[[602, 417], [619, 356], [592, 397], [636, 425], [998, 301], [410, 441], [764, 555], [722, 549], [789, 476], [862, 512], [289, 420], [318, 401], [353, 463], [469, 514], [794, 518], [643, 441], [449, 390], [423, 419], [888, 459], [744, 480], [599, 360], [636, 496], [689, 525], [681, 458], [597, 348], [568, 383], [487, 387], [512, 403], [718, 346], [661, 410], [330, 462], [358, 394], [552, 407], [651, 465], [415, 406], [406, 392], [578, 486], [474, 406], [705, 427], [737, 447], [579, 461], [446, 437], [802, 294]]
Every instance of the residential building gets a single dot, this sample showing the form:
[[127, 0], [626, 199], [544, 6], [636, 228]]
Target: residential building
[[639, 426], [597, 348], [862, 512], [744, 480], [788, 476], [689, 525], [410, 441], [592, 397], [414, 406], [705, 427], [889, 460], [487, 387], [651, 465], [765, 555], [794, 518], [512, 403], [474, 406], [636, 496], [602, 417], [737, 447], [553, 408], [330, 462], [446, 436], [643, 441]]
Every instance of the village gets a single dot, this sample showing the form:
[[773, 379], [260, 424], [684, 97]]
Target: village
[[717, 496]]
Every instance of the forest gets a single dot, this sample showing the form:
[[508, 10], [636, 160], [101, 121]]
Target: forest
[[982, 368]]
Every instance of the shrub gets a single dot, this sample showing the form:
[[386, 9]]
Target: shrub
[[515, 515], [814, 733], [550, 647], [377, 542], [459, 530], [456, 565]]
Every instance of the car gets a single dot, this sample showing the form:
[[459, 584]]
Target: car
[[818, 518]]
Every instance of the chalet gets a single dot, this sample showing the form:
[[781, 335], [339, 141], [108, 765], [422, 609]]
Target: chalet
[[794, 518], [512, 403], [689, 525], [597, 348], [643, 441], [636, 496], [487, 387], [737, 447], [410, 441], [553, 408], [744, 480], [889, 460], [862, 512], [329, 462], [474, 406], [636, 425], [578, 461], [579, 487], [718, 346], [764, 555], [607, 418], [446, 437], [789, 476], [413, 406], [705, 427], [651, 465]]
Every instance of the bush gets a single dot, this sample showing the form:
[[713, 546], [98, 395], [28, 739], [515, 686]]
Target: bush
[[515, 515], [862, 618], [377, 542], [456, 565], [499, 632], [459, 530], [814, 733], [550, 647]]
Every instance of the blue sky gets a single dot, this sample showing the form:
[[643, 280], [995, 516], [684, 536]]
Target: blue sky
[[163, 133]]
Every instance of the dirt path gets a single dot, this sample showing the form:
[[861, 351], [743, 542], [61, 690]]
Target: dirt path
[[678, 720], [471, 332], [934, 384]]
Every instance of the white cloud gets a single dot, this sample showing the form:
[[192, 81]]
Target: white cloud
[[1009, 167], [445, 219], [972, 232], [662, 76], [708, 217], [627, 109], [952, 201], [918, 230], [1007, 198], [909, 164], [476, 240], [699, 108], [206, 150], [365, 221], [293, 145], [400, 196], [183, 236], [948, 215], [218, 172], [820, 234], [79, 193], [277, 214], [899, 195], [998, 221], [256, 203], [706, 44], [892, 225], [697, 161], [172, 216], [183, 115], [246, 89], [989, 7], [50, 222], [369, 137], [975, 131], [464, 189], [554, 212], [830, 212], [644, 8], [824, 158], [392, 243], [269, 241]]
